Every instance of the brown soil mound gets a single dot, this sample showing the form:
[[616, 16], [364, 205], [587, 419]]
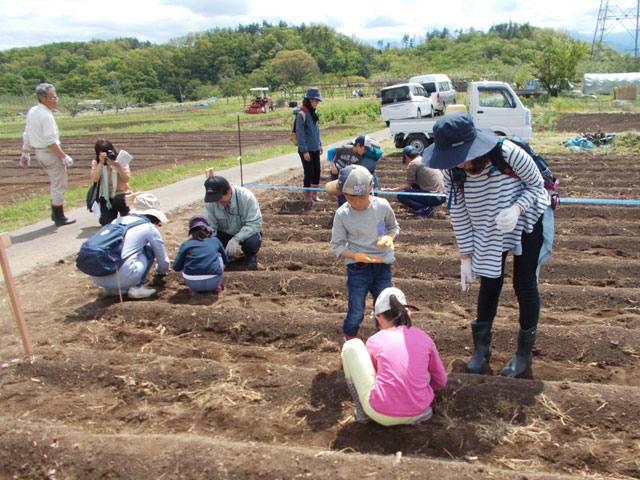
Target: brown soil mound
[[592, 122], [248, 383]]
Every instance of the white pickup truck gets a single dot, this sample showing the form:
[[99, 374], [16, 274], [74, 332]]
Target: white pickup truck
[[493, 105]]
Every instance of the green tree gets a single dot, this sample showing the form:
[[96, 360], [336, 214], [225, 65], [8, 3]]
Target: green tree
[[556, 62], [294, 66]]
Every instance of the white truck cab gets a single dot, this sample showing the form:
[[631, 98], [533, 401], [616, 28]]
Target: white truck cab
[[493, 105], [496, 106]]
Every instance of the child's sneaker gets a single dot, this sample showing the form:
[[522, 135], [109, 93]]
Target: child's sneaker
[[140, 292], [219, 288]]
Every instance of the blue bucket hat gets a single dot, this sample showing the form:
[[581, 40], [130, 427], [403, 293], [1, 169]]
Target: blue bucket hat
[[457, 140], [313, 94]]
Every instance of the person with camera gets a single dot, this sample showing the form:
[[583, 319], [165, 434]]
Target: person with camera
[[113, 181]]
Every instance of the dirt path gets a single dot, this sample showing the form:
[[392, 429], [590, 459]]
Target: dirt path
[[248, 384]]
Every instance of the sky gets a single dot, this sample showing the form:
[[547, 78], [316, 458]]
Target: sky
[[37, 22]]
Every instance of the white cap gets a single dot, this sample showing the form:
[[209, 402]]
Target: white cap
[[383, 301], [148, 204]]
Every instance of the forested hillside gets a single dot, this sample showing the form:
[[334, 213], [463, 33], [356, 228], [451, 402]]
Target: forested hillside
[[226, 62]]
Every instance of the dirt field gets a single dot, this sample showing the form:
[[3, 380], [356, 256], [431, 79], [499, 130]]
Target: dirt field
[[248, 384]]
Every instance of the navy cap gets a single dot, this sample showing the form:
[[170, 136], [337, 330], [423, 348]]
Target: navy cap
[[216, 186], [409, 151]]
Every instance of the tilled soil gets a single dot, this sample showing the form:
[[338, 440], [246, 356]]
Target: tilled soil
[[592, 122], [248, 383]]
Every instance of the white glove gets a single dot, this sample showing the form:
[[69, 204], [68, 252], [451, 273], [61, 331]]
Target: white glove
[[232, 247], [67, 160], [508, 218], [466, 274], [25, 159]]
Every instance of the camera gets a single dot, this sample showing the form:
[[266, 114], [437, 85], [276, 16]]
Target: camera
[[111, 155]]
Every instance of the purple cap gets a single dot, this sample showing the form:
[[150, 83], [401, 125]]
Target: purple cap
[[199, 221]]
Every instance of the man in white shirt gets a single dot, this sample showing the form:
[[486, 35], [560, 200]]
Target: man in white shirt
[[41, 133]]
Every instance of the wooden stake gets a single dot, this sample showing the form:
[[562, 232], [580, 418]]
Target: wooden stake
[[209, 172], [5, 242]]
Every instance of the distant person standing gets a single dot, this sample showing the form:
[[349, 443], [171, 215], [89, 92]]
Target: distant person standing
[[41, 133], [309, 144], [420, 179]]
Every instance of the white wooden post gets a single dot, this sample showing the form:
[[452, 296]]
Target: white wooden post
[[5, 242]]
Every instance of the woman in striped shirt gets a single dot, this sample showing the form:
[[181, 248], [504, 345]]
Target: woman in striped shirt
[[493, 213]]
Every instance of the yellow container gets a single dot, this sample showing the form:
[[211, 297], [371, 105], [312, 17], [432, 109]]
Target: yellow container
[[458, 107]]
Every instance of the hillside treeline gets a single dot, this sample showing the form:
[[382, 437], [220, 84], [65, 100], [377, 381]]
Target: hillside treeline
[[227, 62]]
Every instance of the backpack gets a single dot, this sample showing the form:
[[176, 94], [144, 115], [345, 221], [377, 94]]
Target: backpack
[[458, 175], [294, 140], [101, 254]]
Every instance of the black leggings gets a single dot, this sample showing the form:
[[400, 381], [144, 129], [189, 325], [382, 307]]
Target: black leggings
[[118, 207], [525, 283], [311, 168]]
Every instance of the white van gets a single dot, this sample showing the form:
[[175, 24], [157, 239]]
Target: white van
[[439, 87], [405, 100]]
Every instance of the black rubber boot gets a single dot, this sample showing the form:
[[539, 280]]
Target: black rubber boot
[[57, 215], [481, 347], [523, 356]]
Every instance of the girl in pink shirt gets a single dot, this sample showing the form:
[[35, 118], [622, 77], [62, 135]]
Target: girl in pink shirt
[[392, 379]]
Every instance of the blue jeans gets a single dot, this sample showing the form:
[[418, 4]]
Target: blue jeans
[[249, 246], [131, 273], [363, 278], [418, 202]]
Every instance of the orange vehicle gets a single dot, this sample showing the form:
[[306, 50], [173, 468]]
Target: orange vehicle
[[261, 103]]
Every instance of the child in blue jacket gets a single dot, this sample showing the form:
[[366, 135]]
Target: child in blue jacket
[[201, 258]]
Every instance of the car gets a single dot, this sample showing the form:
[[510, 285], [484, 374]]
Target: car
[[405, 100], [440, 89]]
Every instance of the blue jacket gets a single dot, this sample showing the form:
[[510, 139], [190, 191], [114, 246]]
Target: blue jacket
[[307, 132], [200, 257]]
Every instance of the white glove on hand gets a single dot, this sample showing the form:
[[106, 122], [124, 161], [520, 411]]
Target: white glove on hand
[[466, 274], [232, 247], [508, 218], [25, 159], [67, 160]]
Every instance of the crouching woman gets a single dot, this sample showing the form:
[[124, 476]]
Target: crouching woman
[[141, 245], [392, 379]]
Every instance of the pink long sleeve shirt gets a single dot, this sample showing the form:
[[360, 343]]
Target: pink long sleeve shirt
[[408, 369]]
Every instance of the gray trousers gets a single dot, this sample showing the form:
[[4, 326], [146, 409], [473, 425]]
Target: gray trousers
[[57, 172]]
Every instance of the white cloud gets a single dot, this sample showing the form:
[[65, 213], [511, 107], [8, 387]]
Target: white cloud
[[38, 21]]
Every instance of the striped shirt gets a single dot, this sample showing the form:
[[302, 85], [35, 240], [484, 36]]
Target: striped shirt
[[486, 194]]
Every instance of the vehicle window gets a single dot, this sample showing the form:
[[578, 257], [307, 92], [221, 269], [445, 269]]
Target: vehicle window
[[495, 97], [420, 91], [444, 86], [393, 95], [429, 87]]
